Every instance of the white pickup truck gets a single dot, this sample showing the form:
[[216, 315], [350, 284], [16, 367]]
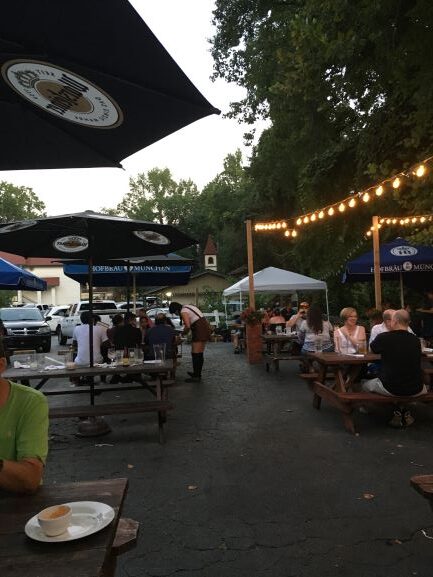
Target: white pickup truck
[[105, 309]]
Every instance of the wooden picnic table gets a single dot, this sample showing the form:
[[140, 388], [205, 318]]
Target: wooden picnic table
[[21, 556], [423, 484], [339, 393], [274, 349], [97, 426]]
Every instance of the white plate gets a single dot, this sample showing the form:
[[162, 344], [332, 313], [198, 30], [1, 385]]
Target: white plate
[[88, 517]]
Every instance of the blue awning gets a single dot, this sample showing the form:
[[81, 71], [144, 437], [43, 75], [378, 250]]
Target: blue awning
[[13, 277]]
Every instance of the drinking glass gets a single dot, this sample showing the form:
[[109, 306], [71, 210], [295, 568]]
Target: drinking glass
[[139, 355], [119, 355], [278, 330], [159, 351], [318, 344], [111, 354], [362, 347], [131, 353]]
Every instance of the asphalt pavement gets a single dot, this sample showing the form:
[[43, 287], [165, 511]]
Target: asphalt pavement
[[253, 481]]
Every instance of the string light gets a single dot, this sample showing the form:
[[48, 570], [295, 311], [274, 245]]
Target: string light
[[402, 221], [418, 170]]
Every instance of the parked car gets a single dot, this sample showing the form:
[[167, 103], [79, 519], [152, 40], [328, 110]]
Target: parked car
[[25, 329], [123, 305], [57, 314], [151, 313]]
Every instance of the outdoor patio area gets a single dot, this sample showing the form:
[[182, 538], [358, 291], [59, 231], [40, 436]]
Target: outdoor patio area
[[254, 481]]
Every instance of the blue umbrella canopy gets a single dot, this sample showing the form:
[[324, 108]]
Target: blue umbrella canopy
[[399, 258], [15, 278]]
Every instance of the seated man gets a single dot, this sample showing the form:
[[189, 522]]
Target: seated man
[[161, 333], [400, 370], [237, 333], [80, 338], [127, 336], [23, 434]]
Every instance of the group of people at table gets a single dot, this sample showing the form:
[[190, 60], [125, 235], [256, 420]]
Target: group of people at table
[[24, 410], [397, 373]]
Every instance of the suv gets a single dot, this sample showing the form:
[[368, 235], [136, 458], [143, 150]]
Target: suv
[[25, 329]]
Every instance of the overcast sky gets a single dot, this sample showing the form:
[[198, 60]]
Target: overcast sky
[[197, 151]]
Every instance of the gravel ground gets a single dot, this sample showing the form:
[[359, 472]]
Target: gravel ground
[[255, 482]]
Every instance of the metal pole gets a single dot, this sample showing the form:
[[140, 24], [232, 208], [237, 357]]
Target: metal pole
[[376, 258], [327, 302], [250, 264], [401, 291]]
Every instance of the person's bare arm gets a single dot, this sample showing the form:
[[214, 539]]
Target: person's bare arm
[[21, 476], [186, 322]]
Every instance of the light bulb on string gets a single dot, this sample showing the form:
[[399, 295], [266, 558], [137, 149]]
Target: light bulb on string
[[287, 233], [321, 214], [414, 220], [365, 197], [284, 224], [299, 221], [379, 190], [313, 217], [352, 203], [394, 221], [306, 219], [294, 233], [396, 182], [422, 219], [420, 171], [331, 211], [368, 232], [342, 207]]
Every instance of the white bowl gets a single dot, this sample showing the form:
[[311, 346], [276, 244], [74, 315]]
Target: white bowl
[[55, 520]]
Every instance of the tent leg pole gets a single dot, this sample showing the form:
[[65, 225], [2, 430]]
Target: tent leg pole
[[376, 256], [327, 302], [250, 263]]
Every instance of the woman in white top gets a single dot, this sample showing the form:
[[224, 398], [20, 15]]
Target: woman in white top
[[313, 329], [350, 336], [194, 320]]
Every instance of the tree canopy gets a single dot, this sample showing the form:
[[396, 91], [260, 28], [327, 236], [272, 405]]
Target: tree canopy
[[19, 203]]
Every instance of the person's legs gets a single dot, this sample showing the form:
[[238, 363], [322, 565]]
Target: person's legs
[[197, 349]]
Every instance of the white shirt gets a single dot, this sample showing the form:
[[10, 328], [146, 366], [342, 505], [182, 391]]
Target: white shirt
[[382, 328], [81, 335], [193, 313]]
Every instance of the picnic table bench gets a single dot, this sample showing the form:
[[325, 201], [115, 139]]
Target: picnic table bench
[[274, 350], [345, 369], [423, 484]]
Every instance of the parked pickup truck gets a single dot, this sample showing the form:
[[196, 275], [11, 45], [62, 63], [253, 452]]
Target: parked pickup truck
[[105, 309]]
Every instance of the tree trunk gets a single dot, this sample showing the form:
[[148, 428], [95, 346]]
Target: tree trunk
[[254, 344]]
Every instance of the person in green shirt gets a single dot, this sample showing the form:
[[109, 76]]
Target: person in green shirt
[[23, 434]]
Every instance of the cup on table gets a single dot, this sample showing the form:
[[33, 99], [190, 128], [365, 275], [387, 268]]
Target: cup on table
[[119, 355], [278, 330], [159, 352], [55, 520], [362, 347], [131, 354], [318, 344], [138, 354], [111, 354], [125, 358]]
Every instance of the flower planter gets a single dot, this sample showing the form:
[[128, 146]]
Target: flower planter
[[254, 343]]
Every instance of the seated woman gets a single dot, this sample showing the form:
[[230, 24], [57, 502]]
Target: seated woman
[[314, 328], [276, 319], [350, 336]]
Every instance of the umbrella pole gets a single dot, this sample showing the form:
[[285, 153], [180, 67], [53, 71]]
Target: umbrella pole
[[376, 257], [128, 285], [134, 293], [250, 264], [327, 302], [401, 291]]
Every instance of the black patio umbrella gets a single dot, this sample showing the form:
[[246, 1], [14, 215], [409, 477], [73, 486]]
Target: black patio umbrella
[[86, 85], [91, 236]]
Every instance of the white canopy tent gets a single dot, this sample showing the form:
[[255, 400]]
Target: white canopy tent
[[278, 281]]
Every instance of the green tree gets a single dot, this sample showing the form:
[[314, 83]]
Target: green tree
[[19, 203], [157, 197]]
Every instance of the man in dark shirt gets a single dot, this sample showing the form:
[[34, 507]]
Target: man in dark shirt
[[161, 333], [127, 335], [400, 371]]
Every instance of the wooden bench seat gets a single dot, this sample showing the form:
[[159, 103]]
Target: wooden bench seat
[[161, 407], [125, 539], [346, 402], [275, 359]]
